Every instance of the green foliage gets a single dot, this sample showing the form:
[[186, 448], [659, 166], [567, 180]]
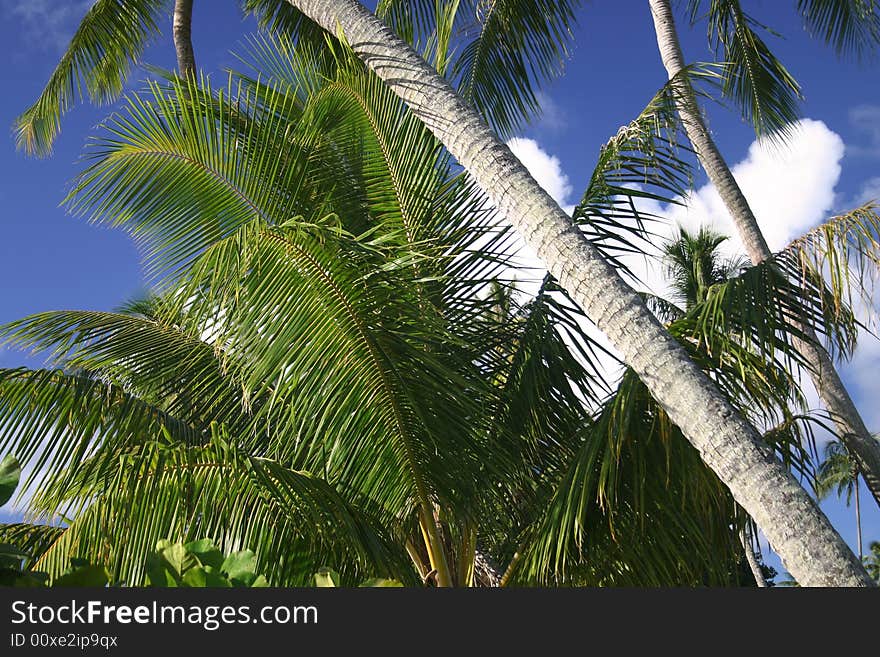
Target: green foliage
[[201, 564], [838, 473], [872, 560], [10, 472], [111, 36], [336, 367], [509, 48], [327, 578], [849, 26], [756, 81]]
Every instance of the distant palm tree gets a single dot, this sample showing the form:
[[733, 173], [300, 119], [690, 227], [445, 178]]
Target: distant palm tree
[[694, 265], [839, 472], [872, 561]]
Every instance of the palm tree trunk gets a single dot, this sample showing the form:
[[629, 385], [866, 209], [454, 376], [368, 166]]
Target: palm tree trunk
[[745, 538], [858, 514], [182, 29], [807, 543], [834, 395]]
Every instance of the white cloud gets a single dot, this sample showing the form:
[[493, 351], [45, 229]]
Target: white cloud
[[552, 117], [870, 191], [545, 168], [790, 188], [866, 119], [48, 24]]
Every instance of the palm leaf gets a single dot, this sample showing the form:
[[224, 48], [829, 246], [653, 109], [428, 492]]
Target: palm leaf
[[757, 82], [111, 36], [508, 48], [849, 26]]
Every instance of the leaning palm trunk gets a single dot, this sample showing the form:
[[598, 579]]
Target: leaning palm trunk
[[855, 476], [809, 546], [182, 29], [745, 538], [834, 395]]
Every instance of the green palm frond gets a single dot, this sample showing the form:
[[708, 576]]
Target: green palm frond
[[282, 18], [507, 49], [294, 520], [53, 421], [843, 253], [666, 311], [813, 284], [384, 410], [644, 161], [413, 20], [757, 82], [111, 36], [849, 26], [634, 493], [33, 540], [181, 170]]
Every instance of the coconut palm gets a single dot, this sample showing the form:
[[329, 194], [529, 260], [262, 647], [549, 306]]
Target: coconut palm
[[694, 265], [354, 383], [602, 493], [499, 69], [872, 561], [767, 95], [730, 445], [839, 473], [334, 370]]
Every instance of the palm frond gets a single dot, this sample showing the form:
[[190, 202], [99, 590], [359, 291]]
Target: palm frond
[[293, 520], [508, 48], [111, 36], [841, 258], [757, 82], [644, 161], [33, 540], [849, 26]]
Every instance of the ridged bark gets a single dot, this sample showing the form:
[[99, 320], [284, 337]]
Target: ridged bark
[[182, 30], [832, 392], [807, 543]]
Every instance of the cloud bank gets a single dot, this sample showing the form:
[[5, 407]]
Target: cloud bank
[[791, 189]]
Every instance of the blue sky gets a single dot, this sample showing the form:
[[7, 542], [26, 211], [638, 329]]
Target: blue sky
[[50, 260]]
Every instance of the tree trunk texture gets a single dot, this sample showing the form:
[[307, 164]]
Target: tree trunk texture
[[182, 29], [807, 543], [834, 395]]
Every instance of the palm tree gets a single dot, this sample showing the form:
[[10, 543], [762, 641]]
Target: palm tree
[[197, 408], [767, 95], [872, 561], [839, 471], [182, 31], [730, 445], [353, 382], [698, 273], [694, 265]]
